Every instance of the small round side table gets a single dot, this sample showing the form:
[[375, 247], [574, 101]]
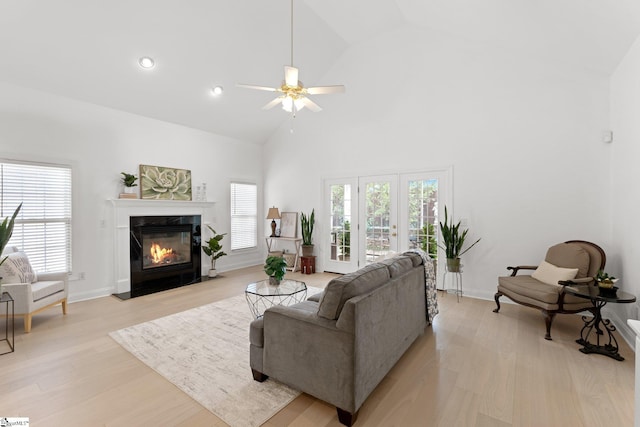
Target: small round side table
[[596, 325]]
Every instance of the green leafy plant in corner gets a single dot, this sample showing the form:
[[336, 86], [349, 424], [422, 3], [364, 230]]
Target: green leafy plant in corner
[[275, 267], [453, 237], [6, 230], [129, 180], [213, 247], [306, 224]]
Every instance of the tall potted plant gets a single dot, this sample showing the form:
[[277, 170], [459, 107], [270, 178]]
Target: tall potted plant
[[6, 230], [213, 249], [306, 224], [453, 239]]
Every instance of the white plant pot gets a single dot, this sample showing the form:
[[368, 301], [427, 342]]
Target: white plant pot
[[130, 190], [213, 272]]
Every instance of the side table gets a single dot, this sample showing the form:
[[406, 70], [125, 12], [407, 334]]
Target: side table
[[609, 346], [7, 300], [308, 264], [297, 242]]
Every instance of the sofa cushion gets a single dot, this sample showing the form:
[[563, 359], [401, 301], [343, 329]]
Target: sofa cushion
[[551, 274], [340, 289], [415, 258], [568, 255], [17, 269], [398, 265]]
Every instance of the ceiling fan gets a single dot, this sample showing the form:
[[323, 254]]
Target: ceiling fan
[[294, 96]]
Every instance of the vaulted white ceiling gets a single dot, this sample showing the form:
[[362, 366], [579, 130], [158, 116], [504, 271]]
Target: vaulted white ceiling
[[88, 50]]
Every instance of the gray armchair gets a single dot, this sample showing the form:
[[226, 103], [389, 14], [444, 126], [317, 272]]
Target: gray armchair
[[550, 297]]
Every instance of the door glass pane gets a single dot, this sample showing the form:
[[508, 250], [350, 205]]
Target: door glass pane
[[423, 216], [377, 219], [340, 222]]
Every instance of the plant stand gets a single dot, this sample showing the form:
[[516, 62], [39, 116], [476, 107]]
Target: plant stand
[[456, 281]]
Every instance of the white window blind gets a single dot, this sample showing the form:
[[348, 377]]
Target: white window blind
[[244, 221], [43, 227]]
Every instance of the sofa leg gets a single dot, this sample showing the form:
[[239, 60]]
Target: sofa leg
[[259, 376], [347, 418], [64, 306], [497, 298], [548, 320]]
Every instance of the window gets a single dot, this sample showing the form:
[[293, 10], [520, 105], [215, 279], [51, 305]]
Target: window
[[244, 221], [43, 227]]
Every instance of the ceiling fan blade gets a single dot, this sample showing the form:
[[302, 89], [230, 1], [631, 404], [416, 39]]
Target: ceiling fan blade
[[310, 104], [323, 90], [290, 76], [273, 103], [269, 89]]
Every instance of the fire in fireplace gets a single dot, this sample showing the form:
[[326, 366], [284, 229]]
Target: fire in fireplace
[[162, 246], [164, 253]]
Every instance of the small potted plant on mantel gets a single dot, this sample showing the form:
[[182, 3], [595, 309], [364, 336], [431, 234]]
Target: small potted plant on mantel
[[128, 182], [275, 267], [306, 224], [453, 239], [213, 249]]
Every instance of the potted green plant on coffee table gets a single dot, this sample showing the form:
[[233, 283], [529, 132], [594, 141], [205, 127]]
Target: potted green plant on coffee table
[[275, 267], [453, 238]]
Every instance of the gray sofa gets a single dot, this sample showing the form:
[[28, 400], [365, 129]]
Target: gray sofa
[[338, 345]]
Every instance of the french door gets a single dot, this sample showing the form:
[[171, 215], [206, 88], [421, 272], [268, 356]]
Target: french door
[[370, 216]]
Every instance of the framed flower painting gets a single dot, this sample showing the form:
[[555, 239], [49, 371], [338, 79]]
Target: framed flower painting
[[162, 183]]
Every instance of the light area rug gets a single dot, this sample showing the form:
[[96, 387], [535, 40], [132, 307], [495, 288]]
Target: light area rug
[[205, 352]]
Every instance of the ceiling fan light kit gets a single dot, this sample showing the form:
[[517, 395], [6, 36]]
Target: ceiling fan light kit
[[294, 95]]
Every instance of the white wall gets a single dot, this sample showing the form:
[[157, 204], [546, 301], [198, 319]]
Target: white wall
[[625, 178], [100, 143], [524, 141]]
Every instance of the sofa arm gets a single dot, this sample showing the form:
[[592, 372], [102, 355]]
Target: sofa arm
[[21, 294], [309, 353]]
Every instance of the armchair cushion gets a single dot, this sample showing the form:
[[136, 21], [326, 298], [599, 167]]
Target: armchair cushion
[[17, 269], [570, 255], [551, 275]]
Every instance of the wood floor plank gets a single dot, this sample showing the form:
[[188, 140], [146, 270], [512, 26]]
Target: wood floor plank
[[473, 367]]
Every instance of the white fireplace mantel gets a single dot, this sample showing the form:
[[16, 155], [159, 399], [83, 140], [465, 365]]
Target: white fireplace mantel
[[123, 209]]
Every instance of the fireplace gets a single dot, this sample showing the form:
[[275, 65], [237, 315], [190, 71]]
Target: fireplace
[[164, 253]]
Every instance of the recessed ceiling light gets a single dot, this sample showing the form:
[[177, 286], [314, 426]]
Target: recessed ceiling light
[[217, 91], [146, 62]]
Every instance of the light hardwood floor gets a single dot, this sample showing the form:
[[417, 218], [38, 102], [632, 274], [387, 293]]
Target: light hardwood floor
[[473, 367]]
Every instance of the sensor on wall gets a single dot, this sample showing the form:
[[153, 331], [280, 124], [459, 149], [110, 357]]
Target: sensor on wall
[[607, 136]]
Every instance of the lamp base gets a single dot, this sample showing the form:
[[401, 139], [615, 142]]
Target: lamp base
[[273, 228]]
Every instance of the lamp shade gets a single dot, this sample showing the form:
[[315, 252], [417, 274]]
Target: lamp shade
[[273, 213]]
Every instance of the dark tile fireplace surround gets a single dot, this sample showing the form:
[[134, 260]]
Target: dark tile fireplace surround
[[164, 253]]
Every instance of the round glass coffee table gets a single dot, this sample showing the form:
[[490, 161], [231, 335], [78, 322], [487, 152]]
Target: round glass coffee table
[[262, 295]]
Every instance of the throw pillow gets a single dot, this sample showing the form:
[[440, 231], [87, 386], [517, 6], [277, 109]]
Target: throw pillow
[[17, 269], [551, 275]]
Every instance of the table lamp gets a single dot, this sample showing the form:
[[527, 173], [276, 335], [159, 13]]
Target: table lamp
[[273, 215]]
